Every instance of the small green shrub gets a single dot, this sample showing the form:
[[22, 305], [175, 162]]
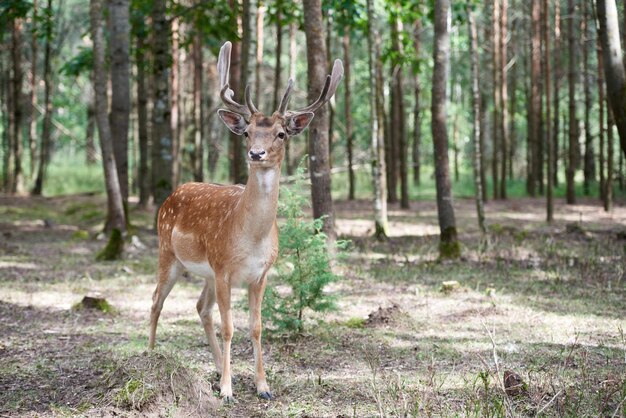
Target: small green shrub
[[303, 265]]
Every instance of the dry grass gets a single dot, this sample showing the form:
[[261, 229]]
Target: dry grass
[[546, 303]]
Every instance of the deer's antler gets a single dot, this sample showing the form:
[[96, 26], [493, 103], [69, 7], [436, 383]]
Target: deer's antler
[[332, 81], [226, 93]]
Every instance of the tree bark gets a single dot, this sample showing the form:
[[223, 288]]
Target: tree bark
[[258, 76], [556, 99], [476, 159], [162, 159], [613, 65], [550, 178], [398, 126], [504, 97], [318, 129], [174, 74], [573, 121], [45, 150], [119, 42], [608, 187], [348, 111], [279, 52], [590, 166], [417, 119], [292, 75], [534, 131], [236, 152], [512, 103], [198, 119], [497, 98], [16, 108], [601, 118], [376, 130], [90, 145], [142, 122], [32, 129], [448, 243], [115, 206]]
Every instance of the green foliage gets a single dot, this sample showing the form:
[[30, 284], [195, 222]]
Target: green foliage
[[80, 63], [303, 265], [10, 10]]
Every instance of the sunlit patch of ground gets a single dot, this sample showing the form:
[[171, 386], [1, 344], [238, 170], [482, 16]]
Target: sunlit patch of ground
[[547, 302]]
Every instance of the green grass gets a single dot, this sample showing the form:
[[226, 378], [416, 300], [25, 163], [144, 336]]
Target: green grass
[[464, 188]]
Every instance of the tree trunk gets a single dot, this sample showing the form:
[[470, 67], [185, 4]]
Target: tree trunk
[[613, 65], [32, 129], [161, 115], [119, 42], [476, 158], [16, 114], [258, 76], [556, 99], [608, 187], [601, 118], [504, 98], [550, 178], [235, 146], [348, 111], [45, 150], [116, 217], [497, 104], [318, 129], [456, 97], [198, 119], [213, 148], [241, 174], [174, 101], [398, 126], [512, 103], [292, 75], [90, 145], [534, 131], [484, 122], [142, 122], [573, 122], [331, 102], [589, 167], [417, 120], [449, 246], [376, 131], [279, 52]]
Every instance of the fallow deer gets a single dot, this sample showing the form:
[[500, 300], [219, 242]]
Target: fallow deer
[[228, 234]]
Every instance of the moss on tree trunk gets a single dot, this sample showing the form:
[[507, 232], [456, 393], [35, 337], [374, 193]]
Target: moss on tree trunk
[[114, 248], [449, 246]]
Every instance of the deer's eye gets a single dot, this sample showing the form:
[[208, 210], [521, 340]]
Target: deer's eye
[[245, 134], [281, 135]]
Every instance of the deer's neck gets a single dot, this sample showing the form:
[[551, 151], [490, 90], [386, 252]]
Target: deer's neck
[[260, 202]]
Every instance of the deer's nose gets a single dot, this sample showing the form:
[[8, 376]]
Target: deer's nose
[[256, 154]]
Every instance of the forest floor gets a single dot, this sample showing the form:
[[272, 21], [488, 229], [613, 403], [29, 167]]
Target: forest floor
[[539, 305]]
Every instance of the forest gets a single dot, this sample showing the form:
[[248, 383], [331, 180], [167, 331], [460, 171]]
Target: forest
[[400, 208]]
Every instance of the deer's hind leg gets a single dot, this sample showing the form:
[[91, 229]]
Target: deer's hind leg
[[170, 270], [205, 310]]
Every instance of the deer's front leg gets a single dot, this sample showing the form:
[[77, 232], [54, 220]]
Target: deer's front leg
[[222, 289], [255, 299]]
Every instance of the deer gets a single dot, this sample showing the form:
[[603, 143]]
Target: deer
[[228, 233]]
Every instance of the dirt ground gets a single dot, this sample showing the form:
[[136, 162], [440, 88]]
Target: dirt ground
[[533, 326]]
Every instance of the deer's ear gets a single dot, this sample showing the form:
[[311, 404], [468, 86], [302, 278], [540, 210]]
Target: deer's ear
[[295, 124], [234, 121]]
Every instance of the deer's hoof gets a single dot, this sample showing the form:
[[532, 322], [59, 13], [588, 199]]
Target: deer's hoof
[[265, 395], [228, 400]]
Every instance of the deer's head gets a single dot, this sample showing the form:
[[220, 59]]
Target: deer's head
[[266, 135]]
